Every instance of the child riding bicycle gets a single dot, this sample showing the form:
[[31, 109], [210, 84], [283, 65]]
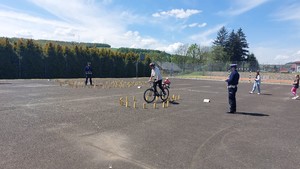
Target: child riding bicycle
[[155, 73]]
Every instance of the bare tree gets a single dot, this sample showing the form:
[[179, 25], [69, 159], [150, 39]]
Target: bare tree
[[182, 55]]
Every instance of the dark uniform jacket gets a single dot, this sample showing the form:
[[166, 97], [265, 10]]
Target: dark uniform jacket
[[88, 70], [233, 79]]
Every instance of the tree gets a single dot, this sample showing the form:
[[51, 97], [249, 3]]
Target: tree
[[181, 56], [19, 48], [219, 54], [194, 53], [33, 60], [9, 60], [55, 63], [253, 63], [50, 59], [235, 46], [222, 38], [130, 65], [243, 45]]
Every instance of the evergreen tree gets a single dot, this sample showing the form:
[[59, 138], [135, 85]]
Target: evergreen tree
[[19, 48], [119, 66], [222, 38], [253, 63], [9, 60], [130, 65], [237, 46], [35, 59], [242, 44], [55, 63]]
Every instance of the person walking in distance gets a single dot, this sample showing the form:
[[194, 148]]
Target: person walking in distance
[[232, 83], [88, 73], [295, 87], [155, 73], [256, 83]]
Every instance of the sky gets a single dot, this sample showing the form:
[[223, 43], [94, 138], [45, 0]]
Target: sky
[[272, 27]]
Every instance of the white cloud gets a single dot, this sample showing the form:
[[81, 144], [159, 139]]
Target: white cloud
[[273, 55], [291, 12], [65, 32], [24, 34], [85, 21], [170, 48], [202, 25], [193, 25], [281, 57], [136, 41], [241, 6], [204, 38], [177, 13], [197, 25]]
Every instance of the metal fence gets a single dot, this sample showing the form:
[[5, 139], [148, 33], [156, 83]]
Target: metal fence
[[282, 73]]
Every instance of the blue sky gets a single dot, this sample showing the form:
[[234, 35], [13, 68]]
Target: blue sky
[[272, 27]]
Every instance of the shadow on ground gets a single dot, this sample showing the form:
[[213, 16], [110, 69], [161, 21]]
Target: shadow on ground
[[249, 114], [173, 102], [267, 94]]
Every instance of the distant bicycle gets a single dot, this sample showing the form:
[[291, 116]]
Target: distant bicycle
[[150, 95]]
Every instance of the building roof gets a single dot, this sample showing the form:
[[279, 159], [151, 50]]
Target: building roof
[[296, 62]]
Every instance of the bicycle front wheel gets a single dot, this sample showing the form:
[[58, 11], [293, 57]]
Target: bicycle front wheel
[[166, 96], [149, 95]]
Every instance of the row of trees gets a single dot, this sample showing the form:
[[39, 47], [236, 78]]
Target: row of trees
[[30, 59], [47, 59], [227, 48]]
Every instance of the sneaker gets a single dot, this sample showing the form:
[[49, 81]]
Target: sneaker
[[294, 98], [258, 93], [250, 92]]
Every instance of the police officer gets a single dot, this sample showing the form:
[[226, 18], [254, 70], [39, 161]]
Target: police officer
[[232, 83], [88, 73]]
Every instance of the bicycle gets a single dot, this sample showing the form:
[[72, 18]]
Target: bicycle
[[150, 95]]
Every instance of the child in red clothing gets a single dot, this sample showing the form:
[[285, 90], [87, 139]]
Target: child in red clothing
[[295, 87]]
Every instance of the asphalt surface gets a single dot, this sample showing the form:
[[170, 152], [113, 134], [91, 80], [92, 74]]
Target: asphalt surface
[[47, 126]]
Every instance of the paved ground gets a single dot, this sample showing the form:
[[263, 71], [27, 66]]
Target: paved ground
[[46, 126]]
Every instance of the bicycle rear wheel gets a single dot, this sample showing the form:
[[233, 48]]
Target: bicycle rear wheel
[[166, 96], [149, 95]]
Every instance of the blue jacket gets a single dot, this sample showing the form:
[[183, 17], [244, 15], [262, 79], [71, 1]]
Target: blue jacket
[[88, 70], [233, 78]]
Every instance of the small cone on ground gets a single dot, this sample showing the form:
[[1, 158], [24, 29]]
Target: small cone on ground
[[121, 101], [154, 105]]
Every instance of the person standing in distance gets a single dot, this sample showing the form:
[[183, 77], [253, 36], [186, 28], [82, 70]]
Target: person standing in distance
[[88, 73], [295, 87], [232, 83], [155, 73], [256, 83]]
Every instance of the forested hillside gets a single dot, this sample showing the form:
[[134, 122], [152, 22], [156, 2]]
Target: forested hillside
[[27, 58]]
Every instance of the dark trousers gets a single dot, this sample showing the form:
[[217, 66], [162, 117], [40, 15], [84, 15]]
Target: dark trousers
[[232, 99], [159, 83], [88, 76]]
